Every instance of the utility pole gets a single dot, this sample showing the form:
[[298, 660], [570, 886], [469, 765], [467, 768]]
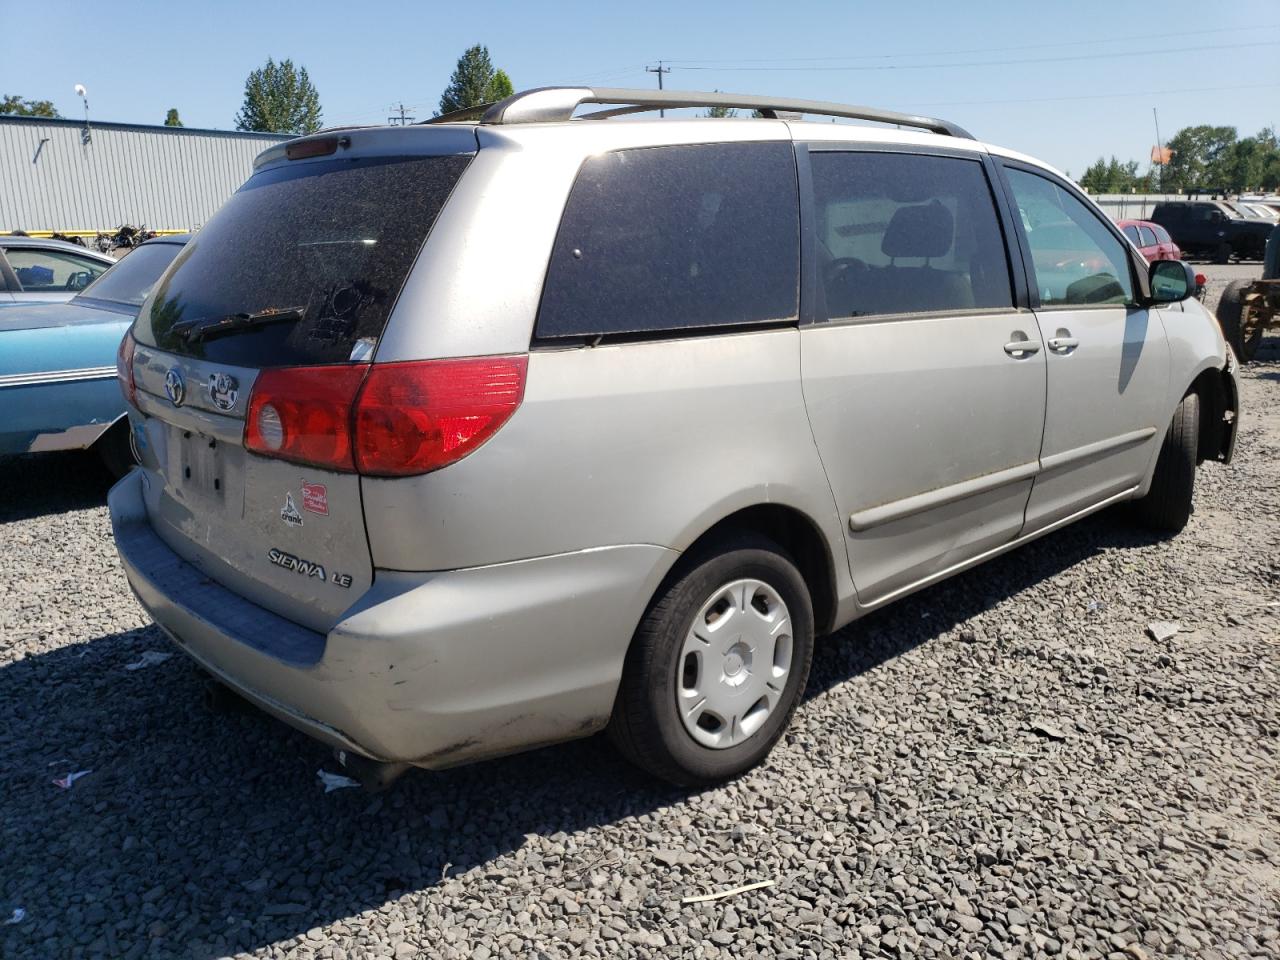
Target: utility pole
[[1160, 149], [659, 70], [402, 119]]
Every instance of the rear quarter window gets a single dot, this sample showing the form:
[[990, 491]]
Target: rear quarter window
[[332, 240], [674, 238]]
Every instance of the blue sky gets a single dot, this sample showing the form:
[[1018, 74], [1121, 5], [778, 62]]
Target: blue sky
[[1089, 72]]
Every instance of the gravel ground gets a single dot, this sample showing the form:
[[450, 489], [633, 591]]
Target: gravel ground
[[1004, 765]]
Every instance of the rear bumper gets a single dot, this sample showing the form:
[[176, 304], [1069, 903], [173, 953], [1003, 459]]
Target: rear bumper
[[433, 669]]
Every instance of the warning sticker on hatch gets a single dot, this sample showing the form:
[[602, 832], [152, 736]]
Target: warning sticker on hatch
[[315, 498]]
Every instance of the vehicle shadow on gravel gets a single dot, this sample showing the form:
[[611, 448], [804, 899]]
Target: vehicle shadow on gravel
[[196, 835], [40, 484]]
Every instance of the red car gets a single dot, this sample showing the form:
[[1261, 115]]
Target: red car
[[1151, 239]]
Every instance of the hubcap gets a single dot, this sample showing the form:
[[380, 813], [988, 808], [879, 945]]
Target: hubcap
[[734, 663]]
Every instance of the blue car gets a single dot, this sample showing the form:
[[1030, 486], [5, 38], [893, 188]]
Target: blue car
[[58, 387]]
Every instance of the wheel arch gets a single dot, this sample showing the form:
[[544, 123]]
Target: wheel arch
[[799, 535]]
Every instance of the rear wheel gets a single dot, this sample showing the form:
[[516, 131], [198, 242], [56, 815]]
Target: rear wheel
[[1167, 505], [717, 666], [115, 448], [1223, 253], [1230, 315]]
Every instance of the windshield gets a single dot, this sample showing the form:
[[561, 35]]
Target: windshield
[[130, 280], [303, 264]]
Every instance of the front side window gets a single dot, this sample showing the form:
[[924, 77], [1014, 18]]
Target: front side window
[[1148, 237], [671, 238], [907, 233], [53, 270], [1162, 235], [1077, 260]]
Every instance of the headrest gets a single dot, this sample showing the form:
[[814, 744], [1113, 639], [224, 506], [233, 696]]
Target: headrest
[[921, 231]]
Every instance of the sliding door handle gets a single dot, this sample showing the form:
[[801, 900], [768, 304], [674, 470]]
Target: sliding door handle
[[1063, 344], [1021, 346]]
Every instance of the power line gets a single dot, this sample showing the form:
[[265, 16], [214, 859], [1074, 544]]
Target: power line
[[1100, 96], [401, 119], [659, 70], [936, 53], [991, 63]]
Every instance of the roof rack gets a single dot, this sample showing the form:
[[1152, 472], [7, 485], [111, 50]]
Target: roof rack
[[549, 104]]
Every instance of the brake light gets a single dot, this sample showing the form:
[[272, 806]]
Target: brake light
[[303, 414], [419, 416], [385, 420], [124, 369]]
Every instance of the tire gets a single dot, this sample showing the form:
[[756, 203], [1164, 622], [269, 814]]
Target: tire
[[1223, 253], [1167, 505], [115, 449], [1230, 315], [648, 724]]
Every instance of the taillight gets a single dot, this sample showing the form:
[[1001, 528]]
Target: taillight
[[422, 415], [303, 414], [124, 369], [386, 420]]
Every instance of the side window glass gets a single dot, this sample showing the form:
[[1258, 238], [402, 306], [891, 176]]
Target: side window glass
[[1077, 259], [1162, 234], [1148, 237], [669, 238], [1132, 233], [907, 233], [53, 270]]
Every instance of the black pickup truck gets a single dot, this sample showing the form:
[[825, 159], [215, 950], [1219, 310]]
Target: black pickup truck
[[1210, 229]]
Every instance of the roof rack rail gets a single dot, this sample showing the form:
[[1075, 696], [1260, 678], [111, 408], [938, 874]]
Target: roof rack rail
[[549, 104]]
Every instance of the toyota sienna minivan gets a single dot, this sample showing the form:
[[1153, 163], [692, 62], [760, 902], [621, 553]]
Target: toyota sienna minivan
[[466, 437]]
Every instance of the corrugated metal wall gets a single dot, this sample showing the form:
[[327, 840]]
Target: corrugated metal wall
[[169, 178]]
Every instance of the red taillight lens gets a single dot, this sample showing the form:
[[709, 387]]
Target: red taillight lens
[[124, 369], [303, 414], [422, 415]]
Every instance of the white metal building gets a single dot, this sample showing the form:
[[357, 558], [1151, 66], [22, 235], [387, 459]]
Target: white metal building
[[167, 178]]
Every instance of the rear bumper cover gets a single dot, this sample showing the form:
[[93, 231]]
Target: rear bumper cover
[[433, 669]]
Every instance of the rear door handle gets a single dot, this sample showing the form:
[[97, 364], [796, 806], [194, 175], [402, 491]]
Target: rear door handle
[[1063, 344], [1020, 347]]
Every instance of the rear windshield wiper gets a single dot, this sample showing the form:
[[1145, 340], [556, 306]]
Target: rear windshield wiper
[[206, 329]]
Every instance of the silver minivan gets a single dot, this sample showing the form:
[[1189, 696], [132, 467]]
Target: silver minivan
[[466, 437]]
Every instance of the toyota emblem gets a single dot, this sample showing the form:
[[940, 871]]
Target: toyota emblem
[[174, 387]]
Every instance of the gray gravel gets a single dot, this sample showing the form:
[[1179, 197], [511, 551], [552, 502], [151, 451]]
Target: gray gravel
[[1006, 765]]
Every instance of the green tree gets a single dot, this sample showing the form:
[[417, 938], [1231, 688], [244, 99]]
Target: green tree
[[501, 86], [719, 113], [17, 106], [171, 118], [1114, 176], [1201, 158], [474, 82], [279, 98]]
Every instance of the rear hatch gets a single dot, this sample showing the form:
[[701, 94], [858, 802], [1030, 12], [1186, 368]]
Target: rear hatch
[[299, 269]]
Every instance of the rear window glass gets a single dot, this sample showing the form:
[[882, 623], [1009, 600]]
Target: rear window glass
[[130, 280], [1131, 232], [669, 238], [326, 245]]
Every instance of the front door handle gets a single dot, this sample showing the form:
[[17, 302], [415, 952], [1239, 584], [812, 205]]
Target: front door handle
[[1063, 342], [1021, 346]]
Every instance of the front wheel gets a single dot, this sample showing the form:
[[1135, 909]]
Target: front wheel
[[1167, 505], [717, 666]]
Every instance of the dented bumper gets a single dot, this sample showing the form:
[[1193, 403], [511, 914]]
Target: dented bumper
[[433, 669]]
